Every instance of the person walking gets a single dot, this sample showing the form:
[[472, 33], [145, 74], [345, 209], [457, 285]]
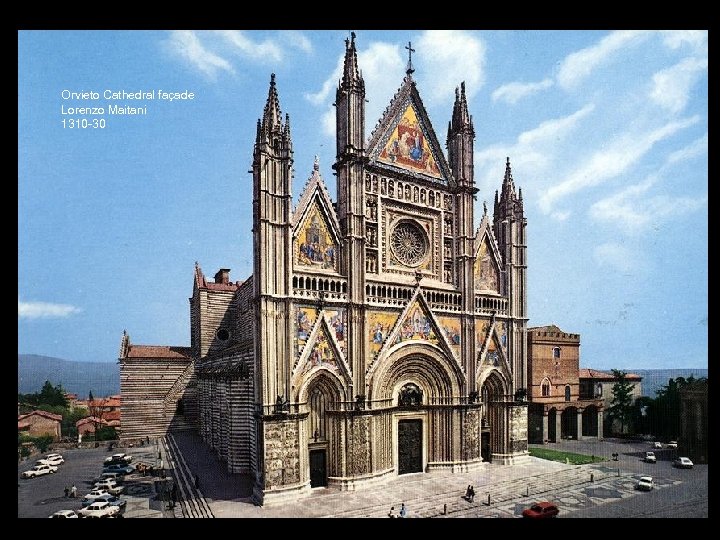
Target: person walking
[[403, 511], [392, 513], [67, 491], [73, 491], [472, 494]]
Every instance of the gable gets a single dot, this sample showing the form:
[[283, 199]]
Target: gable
[[407, 146], [404, 140], [323, 349], [314, 244], [486, 272]]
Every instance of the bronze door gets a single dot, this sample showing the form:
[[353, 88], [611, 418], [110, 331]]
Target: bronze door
[[409, 446], [318, 470]]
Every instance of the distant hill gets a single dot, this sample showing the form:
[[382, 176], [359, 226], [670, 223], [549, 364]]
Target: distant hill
[[103, 378], [654, 379]]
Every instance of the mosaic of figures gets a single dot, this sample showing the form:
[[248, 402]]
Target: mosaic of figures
[[451, 327], [417, 326], [486, 274], [408, 146], [306, 317], [322, 354], [337, 322], [315, 245], [305, 320], [380, 324]]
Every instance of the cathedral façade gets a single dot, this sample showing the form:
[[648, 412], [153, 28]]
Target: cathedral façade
[[379, 335]]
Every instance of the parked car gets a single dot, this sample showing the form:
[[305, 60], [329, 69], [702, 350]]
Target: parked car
[[110, 476], [541, 510], [113, 500], [64, 514], [683, 463], [39, 470], [657, 444], [645, 483], [118, 468], [54, 461], [99, 509], [121, 458], [672, 444], [650, 457], [94, 494], [111, 486]]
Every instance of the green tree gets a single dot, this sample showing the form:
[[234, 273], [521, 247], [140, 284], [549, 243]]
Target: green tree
[[43, 442], [622, 401]]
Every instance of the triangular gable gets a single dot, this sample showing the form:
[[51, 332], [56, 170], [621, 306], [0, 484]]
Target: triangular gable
[[305, 319], [416, 323], [486, 271], [316, 231], [494, 352], [321, 352], [405, 141]]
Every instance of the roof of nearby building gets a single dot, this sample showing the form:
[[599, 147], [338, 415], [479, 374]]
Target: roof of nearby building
[[106, 403], [44, 414], [90, 419], [589, 373], [547, 328], [111, 416], [159, 351]]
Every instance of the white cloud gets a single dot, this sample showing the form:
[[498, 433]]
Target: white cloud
[[45, 310], [578, 65], [615, 256], [610, 162], [696, 39], [382, 69], [188, 46], [298, 40], [513, 92], [263, 50], [532, 151], [447, 57], [634, 209], [697, 148], [671, 86]]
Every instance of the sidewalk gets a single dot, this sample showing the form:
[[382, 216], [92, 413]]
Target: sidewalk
[[425, 495]]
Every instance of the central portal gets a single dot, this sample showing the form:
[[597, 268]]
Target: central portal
[[409, 446]]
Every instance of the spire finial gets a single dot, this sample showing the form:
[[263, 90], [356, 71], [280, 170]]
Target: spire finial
[[485, 208], [316, 165], [410, 50]]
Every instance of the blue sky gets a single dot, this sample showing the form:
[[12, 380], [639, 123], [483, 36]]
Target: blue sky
[[606, 132]]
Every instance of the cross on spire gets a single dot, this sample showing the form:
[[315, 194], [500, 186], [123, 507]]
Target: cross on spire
[[410, 50]]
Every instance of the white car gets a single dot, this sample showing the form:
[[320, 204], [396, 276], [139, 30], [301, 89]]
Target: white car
[[645, 483], [94, 494], [119, 458], [64, 514], [111, 486], [683, 463], [657, 445], [51, 460], [99, 509], [672, 444], [650, 457], [39, 470]]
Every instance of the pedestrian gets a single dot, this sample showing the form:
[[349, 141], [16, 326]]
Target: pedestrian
[[472, 494], [73, 491], [197, 482], [467, 492], [67, 491], [403, 511], [392, 513]]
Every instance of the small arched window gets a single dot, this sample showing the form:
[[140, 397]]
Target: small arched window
[[545, 388], [567, 392]]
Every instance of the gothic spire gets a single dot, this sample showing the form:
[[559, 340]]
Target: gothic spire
[[508, 186], [461, 119], [351, 74], [271, 114]]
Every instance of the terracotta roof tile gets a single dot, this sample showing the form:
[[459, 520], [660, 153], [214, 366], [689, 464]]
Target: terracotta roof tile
[[159, 351], [589, 373], [44, 414]]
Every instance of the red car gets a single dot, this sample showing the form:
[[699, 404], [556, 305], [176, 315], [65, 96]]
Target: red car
[[541, 510]]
